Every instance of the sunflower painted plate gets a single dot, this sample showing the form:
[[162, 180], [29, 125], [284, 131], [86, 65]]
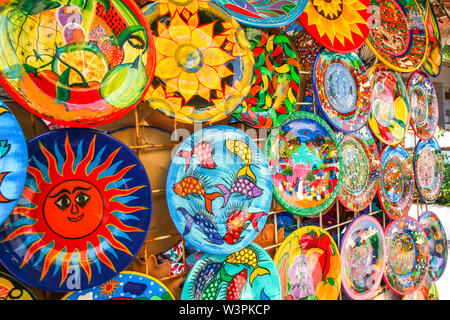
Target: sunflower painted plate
[[81, 64], [13, 289], [342, 89], [390, 108], [396, 190], [407, 256], [426, 291], [339, 26], [247, 274], [437, 240], [127, 285], [305, 160], [309, 265], [398, 36], [424, 105], [204, 65], [83, 215]]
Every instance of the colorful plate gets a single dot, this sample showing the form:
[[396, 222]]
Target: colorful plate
[[437, 240], [305, 160], [363, 257], [81, 65], [390, 109], [426, 291], [396, 190], [264, 14], [398, 35], [276, 82], [126, 285], [219, 189], [13, 289], [248, 274], [340, 26], [204, 65], [342, 89], [83, 215], [309, 265], [424, 105], [407, 256], [361, 173], [433, 61]]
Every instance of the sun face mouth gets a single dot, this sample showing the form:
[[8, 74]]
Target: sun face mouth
[[77, 218]]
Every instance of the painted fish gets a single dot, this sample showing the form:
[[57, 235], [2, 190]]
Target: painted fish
[[204, 223], [248, 257], [204, 278], [236, 222], [203, 152], [236, 285], [191, 185], [242, 150], [243, 186]]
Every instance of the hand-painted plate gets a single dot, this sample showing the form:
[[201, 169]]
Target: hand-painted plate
[[13, 289], [204, 65], [13, 161], [264, 14], [219, 189], [305, 160], [126, 285], [398, 35], [361, 173], [340, 26], [424, 105], [437, 240], [426, 291], [276, 83], [396, 190], [407, 255], [309, 265], [247, 274], [363, 257], [390, 109], [433, 61], [83, 215], [81, 64], [342, 89]]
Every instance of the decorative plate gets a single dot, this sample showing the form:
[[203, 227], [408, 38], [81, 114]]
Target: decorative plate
[[83, 215], [219, 189], [437, 240], [264, 14], [407, 256], [396, 190], [361, 173], [342, 89], [424, 105], [398, 36], [204, 65], [309, 265], [81, 64], [13, 161], [433, 61], [247, 274], [305, 160], [363, 257], [276, 82], [340, 26], [13, 289], [126, 285], [390, 109], [426, 291]]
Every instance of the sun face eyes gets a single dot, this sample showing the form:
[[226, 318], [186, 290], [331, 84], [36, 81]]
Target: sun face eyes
[[63, 202], [82, 199]]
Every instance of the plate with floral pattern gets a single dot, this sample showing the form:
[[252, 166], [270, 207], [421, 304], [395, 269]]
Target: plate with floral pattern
[[426, 291]]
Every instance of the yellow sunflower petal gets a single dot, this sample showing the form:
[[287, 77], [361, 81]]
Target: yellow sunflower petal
[[201, 36], [187, 85], [167, 68], [215, 57], [209, 77], [179, 30], [165, 46]]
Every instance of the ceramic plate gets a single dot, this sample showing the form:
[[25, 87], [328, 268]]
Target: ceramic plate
[[340, 26], [276, 82], [407, 256], [248, 274], [219, 189], [305, 160], [398, 36], [361, 174], [396, 190], [342, 89], [264, 14], [13, 289], [390, 109], [426, 291], [82, 64], [204, 64], [363, 257], [309, 265], [126, 285], [433, 61], [424, 105], [437, 240], [84, 213]]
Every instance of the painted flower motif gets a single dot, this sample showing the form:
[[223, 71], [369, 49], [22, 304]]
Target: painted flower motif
[[172, 7]]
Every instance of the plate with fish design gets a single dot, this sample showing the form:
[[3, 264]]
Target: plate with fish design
[[219, 189]]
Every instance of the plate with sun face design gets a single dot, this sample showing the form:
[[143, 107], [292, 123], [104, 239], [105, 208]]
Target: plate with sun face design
[[83, 215]]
